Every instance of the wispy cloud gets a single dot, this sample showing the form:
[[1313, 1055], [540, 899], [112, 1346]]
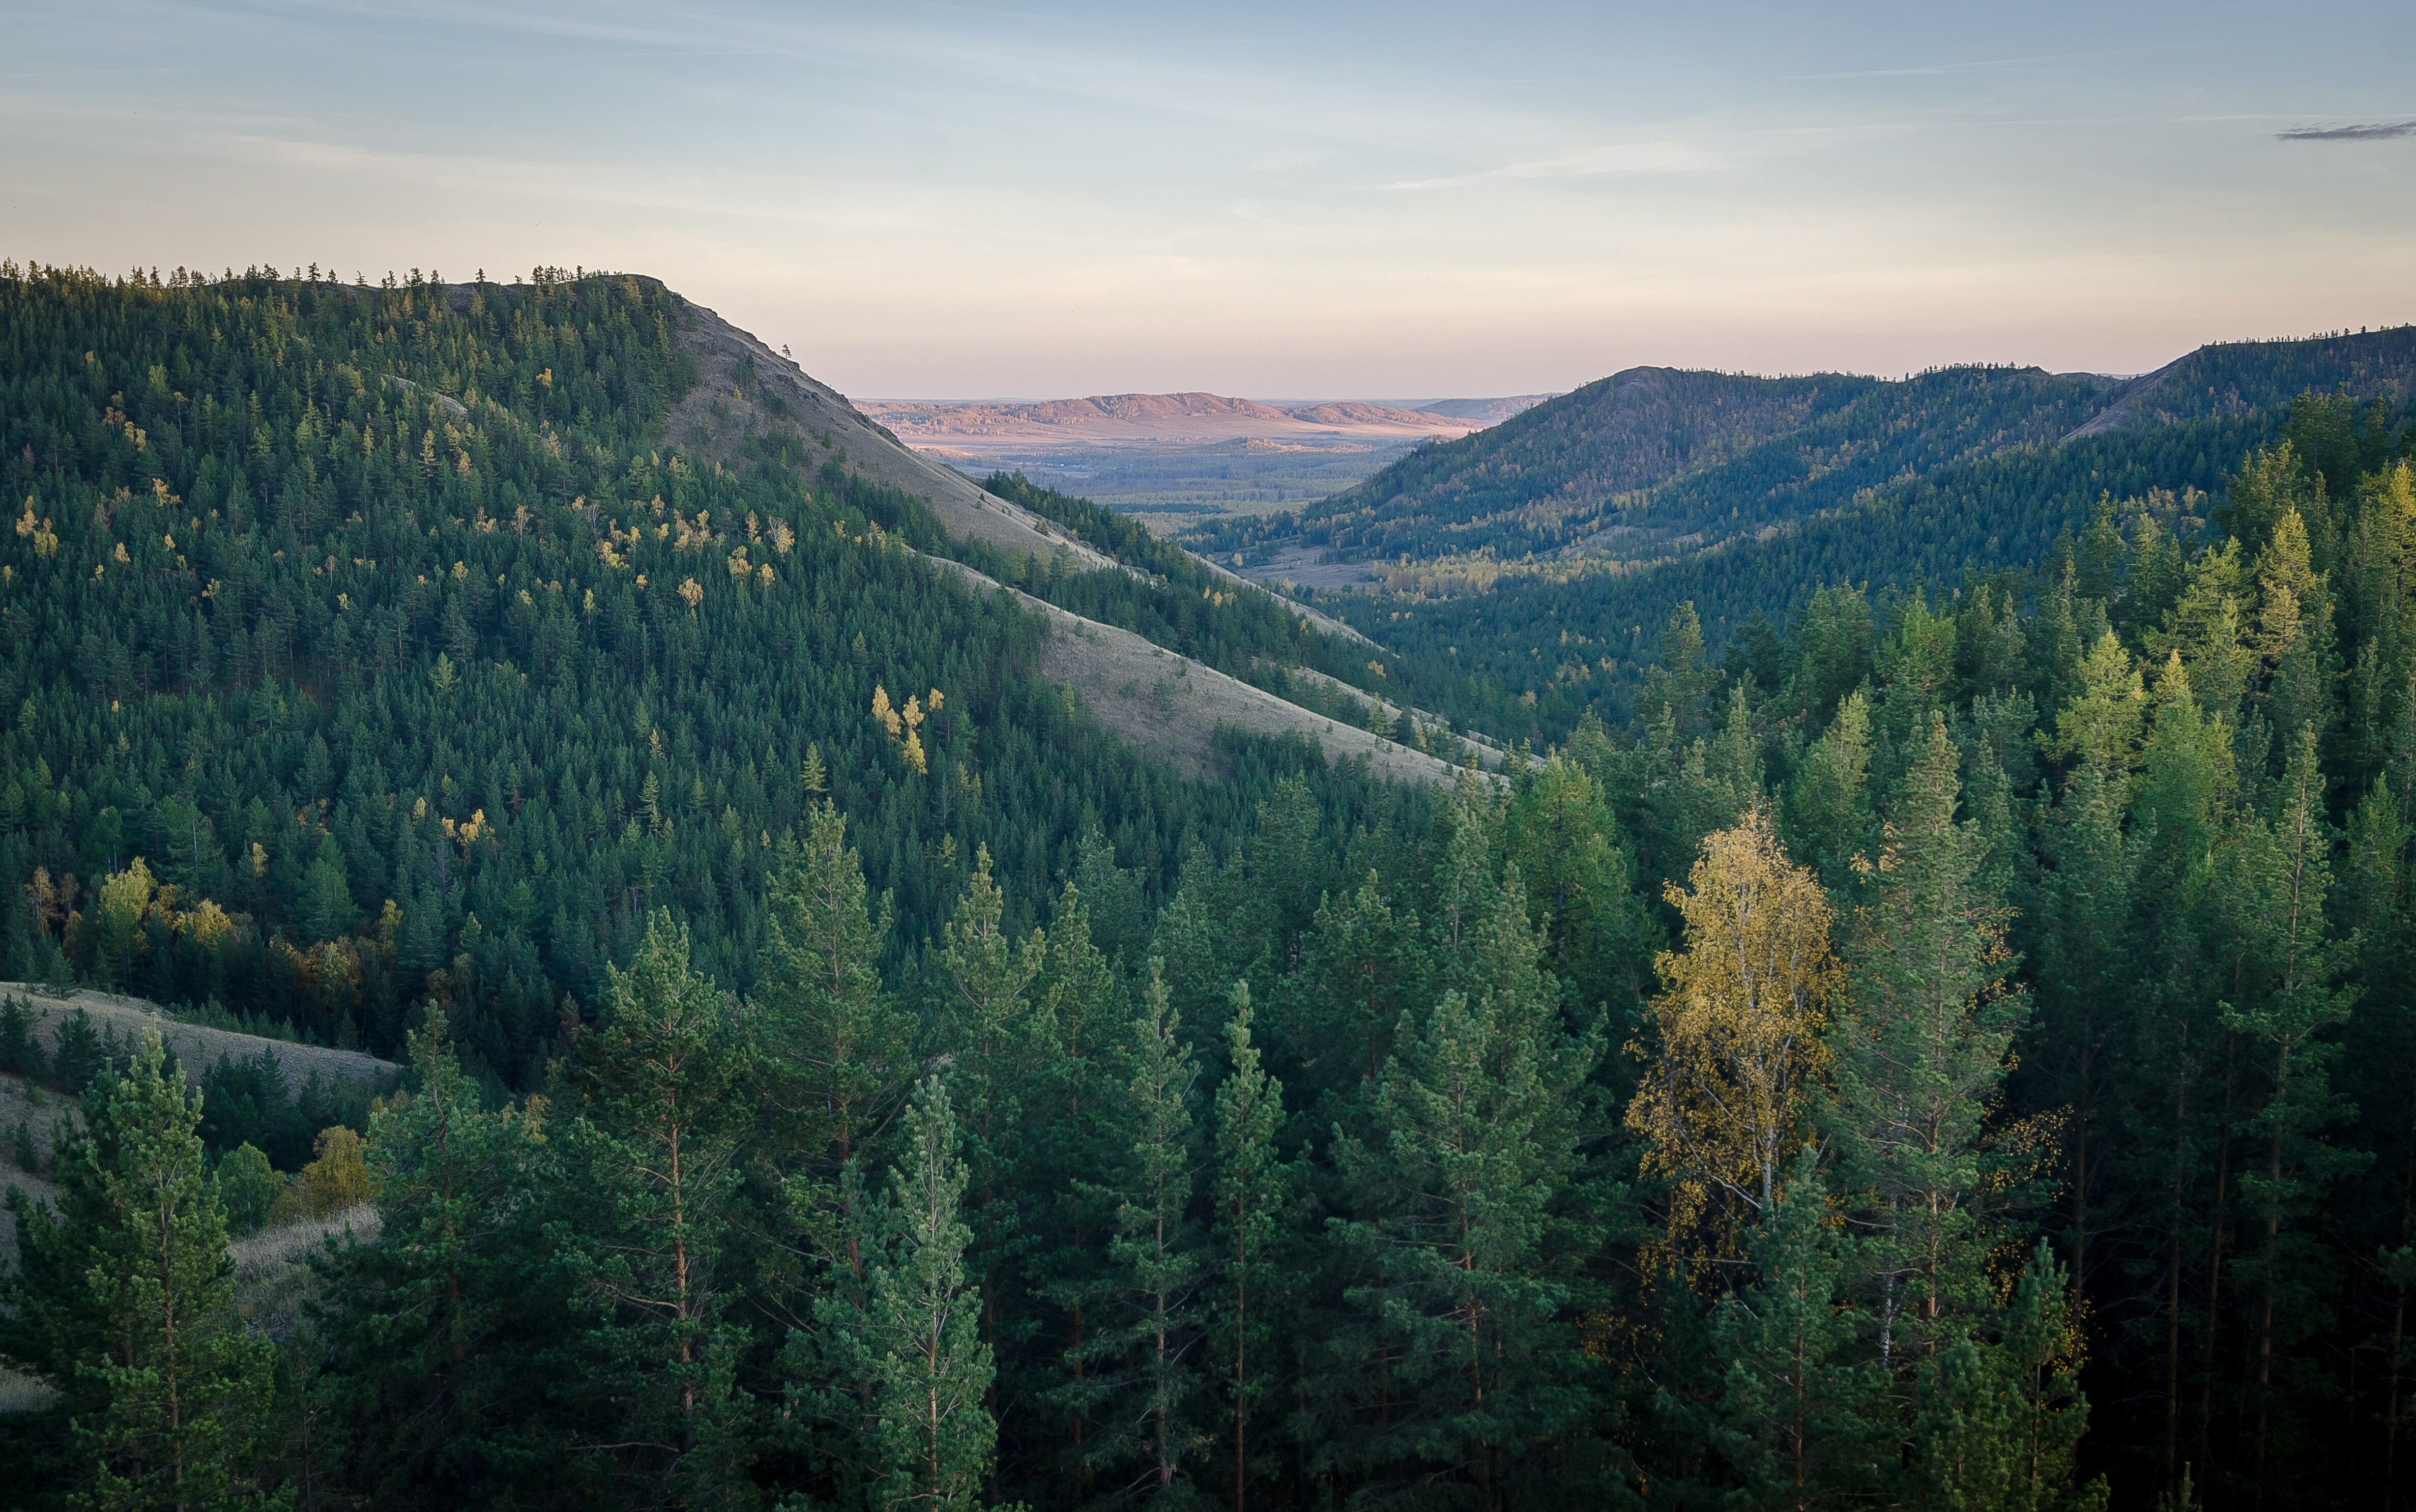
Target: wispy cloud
[[2373, 131]]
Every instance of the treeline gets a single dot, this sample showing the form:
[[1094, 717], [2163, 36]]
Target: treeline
[[1581, 639], [365, 648]]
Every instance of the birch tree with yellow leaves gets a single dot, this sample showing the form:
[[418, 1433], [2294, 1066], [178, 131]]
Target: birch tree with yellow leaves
[[1734, 1039]]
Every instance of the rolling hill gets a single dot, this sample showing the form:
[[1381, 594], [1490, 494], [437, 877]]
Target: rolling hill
[[1546, 551]]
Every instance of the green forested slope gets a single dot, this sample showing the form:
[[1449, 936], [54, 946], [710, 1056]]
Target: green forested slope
[[1955, 472], [382, 620], [1647, 458]]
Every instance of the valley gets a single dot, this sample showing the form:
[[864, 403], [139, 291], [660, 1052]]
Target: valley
[[566, 882]]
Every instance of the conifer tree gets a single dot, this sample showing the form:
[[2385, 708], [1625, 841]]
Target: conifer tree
[[1142, 1366], [2086, 980], [1366, 964], [835, 1052], [1998, 1421], [1000, 1039], [1253, 1188], [2292, 637], [1070, 1132], [1802, 1421], [2280, 886], [661, 1084], [914, 1346], [1462, 1362], [123, 1298], [1920, 1050], [1827, 802], [1560, 834], [447, 1318]]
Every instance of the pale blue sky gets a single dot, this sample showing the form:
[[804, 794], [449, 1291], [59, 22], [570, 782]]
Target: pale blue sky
[[1335, 201]]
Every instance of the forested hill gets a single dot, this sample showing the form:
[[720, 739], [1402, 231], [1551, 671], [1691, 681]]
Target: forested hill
[[374, 647], [1654, 462], [1500, 563], [1654, 453]]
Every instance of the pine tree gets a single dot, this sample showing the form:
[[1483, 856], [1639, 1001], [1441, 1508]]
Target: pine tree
[[1560, 834], [1365, 965], [1999, 1421], [2086, 982], [1140, 1367], [1920, 1050], [1253, 1189], [1800, 1421], [1827, 804], [124, 1299], [837, 1054], [999, 1040], [916, 1345], [2280, 886], [1070, 1132], [660, 1086], [448, 1320], [1461, 1361]]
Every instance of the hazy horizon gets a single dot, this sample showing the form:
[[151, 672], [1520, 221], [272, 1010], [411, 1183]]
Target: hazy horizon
[[1359, 204]]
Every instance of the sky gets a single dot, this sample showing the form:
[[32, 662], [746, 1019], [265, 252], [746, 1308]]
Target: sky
[[1283, 201]]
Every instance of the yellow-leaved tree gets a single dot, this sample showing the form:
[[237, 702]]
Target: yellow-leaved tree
[[1734, 1038]]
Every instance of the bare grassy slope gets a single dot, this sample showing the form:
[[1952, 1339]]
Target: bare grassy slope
[[746, 387], [1159, 700], [743, 387], [1172, 706], [196, 1046]]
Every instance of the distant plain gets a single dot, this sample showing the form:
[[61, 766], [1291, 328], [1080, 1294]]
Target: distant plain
[[1176, 460]]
